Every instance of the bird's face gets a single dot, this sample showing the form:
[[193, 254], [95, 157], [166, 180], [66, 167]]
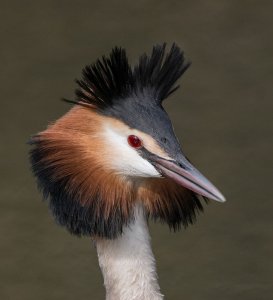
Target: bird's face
[[126, 145], [144, 144]]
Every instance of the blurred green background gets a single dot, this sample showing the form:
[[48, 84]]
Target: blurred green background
[[222, 114]]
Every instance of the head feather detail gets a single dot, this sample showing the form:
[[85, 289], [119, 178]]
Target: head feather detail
[[113, 79]]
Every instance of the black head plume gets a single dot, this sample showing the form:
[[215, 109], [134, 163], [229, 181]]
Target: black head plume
[[112, 79]]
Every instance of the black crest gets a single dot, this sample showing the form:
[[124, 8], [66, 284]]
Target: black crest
[[112, 79]]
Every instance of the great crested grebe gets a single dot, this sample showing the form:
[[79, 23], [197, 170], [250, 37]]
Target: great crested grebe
[[113, 161]]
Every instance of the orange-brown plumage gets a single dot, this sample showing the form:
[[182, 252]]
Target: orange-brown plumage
[[76, 151]]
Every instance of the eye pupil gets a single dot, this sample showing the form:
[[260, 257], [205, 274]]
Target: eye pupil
[[134, 141]]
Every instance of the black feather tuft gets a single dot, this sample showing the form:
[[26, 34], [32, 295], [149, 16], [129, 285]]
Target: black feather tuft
[[183, 212], [112, 78], [159, 72]]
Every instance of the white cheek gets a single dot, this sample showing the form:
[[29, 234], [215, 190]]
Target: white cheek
[[126, 160]]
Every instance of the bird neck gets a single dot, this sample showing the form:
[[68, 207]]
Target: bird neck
[[128, 264]]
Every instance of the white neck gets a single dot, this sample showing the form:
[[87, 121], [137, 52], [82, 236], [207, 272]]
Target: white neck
[[128, 264]]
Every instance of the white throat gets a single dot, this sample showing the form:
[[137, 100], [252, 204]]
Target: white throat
[[128, 264]]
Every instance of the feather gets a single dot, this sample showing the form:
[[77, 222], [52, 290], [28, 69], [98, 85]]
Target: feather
[[111, 80]]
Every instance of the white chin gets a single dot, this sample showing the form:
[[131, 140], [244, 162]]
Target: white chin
[[130, 163], [140, 168]]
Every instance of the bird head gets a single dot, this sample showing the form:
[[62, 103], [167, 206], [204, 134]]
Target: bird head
[[116, 147]]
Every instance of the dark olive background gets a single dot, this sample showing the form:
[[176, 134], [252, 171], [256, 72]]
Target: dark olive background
[[222, 115]]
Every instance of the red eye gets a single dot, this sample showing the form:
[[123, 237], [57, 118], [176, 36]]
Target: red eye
[[134, 141]]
